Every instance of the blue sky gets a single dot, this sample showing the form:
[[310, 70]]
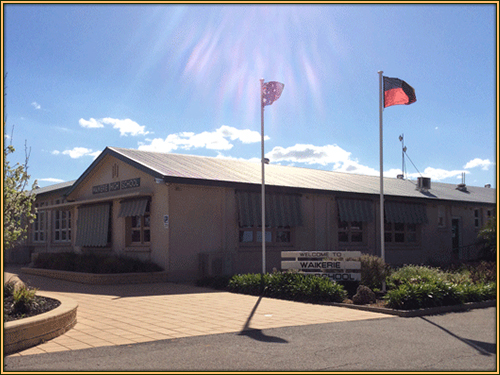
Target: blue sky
[[185, 79]]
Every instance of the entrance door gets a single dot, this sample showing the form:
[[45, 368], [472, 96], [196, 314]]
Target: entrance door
[[455, 236]]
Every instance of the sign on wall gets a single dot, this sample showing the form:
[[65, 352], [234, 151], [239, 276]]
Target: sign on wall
[[114, 186], [337, 265]]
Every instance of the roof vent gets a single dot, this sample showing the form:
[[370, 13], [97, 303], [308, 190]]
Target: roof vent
[[462, 186], [423, 183], [487, 185], [400, 177]]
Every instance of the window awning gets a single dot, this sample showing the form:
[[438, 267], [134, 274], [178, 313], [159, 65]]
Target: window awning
[[282, 210], [405, 213], [136, 207], [92, 225], [355, 210]]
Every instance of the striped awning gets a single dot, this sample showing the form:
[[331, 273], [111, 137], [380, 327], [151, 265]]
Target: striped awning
[[136, 207], [405, 213], [92, 225], [282, 210], [355, 210]]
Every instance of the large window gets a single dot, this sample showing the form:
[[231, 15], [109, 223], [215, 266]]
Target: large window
[[400, 233], [283, 214], [403, 222], [350, 231], [278, 236], [62, 226], [39, 225], [353, 216]]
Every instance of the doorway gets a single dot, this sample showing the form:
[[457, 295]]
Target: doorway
[[455, 236]]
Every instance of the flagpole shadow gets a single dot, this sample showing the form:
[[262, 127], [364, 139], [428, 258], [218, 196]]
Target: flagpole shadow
[[257, 334]]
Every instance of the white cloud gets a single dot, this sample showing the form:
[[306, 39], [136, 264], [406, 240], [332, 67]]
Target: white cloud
[[55, 152], [36, 105], [484, 164], [310, 154], [215, 140], [50, 179], [76, 152], [437, 174], [126, 127], [92, 123]]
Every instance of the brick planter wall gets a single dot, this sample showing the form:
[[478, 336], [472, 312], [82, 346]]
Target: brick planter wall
[[100, 279]]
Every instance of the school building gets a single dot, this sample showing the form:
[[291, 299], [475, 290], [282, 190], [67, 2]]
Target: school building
[[198, 216]]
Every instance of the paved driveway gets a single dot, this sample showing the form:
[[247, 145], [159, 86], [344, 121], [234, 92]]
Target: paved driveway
[[111, 315]]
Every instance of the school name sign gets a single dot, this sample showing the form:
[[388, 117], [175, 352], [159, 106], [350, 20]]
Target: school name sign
[[337, 265]]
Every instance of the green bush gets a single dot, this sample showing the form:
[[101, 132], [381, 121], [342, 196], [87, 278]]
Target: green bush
[[373, 271], [412, 274], [93, 263], [441, 293], [24, 298], [8, 288], [478, 272], [289, 285], [413, 287]]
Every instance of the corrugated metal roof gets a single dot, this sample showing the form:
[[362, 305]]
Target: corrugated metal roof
[[245, 172], [53, 188]]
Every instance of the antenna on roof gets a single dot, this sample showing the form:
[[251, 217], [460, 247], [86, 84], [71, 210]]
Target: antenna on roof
[[401, 138], [403, 150]]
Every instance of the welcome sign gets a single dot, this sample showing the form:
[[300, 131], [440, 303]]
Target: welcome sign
[[337, 265]]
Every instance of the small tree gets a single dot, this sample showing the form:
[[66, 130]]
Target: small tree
[[488, 239], [18, 211]]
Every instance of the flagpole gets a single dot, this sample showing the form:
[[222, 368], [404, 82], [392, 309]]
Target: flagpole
[[263, 189], [381, 110]]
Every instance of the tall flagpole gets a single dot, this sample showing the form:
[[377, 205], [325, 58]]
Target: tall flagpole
[[263, 192], [381, 110]]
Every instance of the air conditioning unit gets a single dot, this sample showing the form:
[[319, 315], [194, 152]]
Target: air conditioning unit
[[424, 183], [215, 264]]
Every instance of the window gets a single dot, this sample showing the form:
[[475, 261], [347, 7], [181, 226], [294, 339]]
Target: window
[[39, 225], [476, 218], [62, 226], [350, 231], [278, 236], [139, 227], [400, 233]]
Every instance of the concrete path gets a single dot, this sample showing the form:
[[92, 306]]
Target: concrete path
[[110, 315]]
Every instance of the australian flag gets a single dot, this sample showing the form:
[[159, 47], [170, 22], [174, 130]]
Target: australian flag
[[271, 91]]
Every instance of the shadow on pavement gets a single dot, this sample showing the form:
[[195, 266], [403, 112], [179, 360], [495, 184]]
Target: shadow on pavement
[[120, 290], [257, 334], [482, 347]]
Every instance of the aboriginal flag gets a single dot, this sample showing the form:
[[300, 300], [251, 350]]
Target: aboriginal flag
[[271, 91], [397, 91]]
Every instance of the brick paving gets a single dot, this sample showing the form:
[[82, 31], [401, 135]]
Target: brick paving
[[110, 315]]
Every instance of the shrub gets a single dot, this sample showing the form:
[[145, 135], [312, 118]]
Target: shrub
[[479, 272], [373, 271], [413, 287], [24, 298], [412, 274], [363, 296], [8, 288], [289, 285]]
